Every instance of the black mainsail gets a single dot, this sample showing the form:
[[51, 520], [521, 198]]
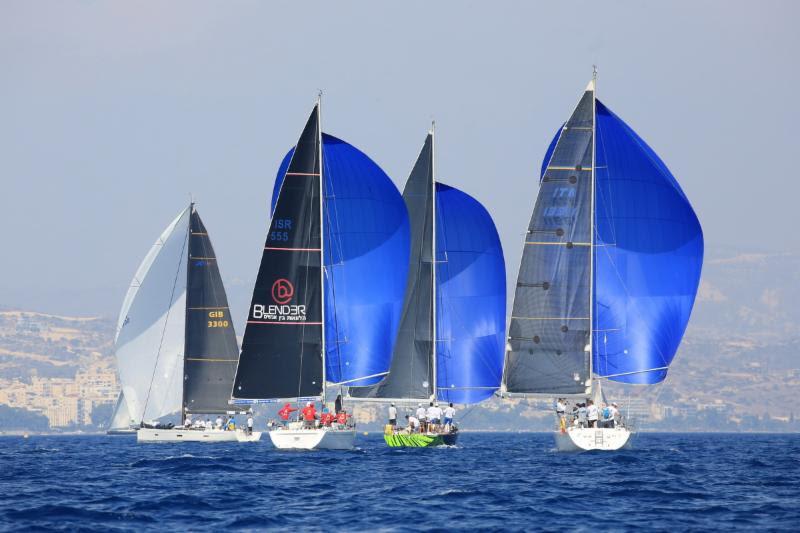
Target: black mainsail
[[550, 331], [411, 375], [210, 349], [282, 347]]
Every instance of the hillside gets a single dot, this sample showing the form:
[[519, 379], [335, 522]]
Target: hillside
[[737, 368]]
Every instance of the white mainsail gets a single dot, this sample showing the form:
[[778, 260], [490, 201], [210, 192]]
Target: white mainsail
[[151, 327]]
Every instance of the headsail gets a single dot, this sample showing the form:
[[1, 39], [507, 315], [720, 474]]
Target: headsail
[[471, 299], [151, 327], [411, 372], [282, 347], [121, 419], [550, 321], [366, 261], [648, 257], [211, 348]]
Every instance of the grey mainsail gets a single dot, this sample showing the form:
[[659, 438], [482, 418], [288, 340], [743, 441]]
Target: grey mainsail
[[549, 335], [411, 375]]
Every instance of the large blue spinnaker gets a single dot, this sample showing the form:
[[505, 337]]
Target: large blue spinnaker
[[647, 258], [471, 292], [366, 249]]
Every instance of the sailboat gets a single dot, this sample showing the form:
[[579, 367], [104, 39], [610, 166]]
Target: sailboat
[[328, 295], [121, 423], [450, 344], [609, 271], [175, 345]]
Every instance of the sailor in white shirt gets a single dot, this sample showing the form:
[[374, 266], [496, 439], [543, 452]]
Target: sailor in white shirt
[[421, 414], [561, 410], [392, 415], [449, 414], [413, 423], [615, 415], [591, 414], [218, 422], [250, 424], [434, 416]]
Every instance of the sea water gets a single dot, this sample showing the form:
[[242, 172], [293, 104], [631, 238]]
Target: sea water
[[489, 481]]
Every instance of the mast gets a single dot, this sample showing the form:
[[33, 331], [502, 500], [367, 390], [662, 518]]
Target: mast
[[433, 259], [592, 85], [321, 242], [186, 313]]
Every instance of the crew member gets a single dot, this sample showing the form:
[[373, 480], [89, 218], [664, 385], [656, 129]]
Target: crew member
[[285, 412], [591, 413], [250, 424], [341, 417], [393, 416], [561, 410], [449, 414], [309, 415], [421, 416]]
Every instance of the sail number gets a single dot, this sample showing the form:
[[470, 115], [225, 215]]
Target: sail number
[[278, 224], [215, 322]]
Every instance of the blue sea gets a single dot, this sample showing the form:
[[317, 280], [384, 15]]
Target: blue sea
[[667, 482]]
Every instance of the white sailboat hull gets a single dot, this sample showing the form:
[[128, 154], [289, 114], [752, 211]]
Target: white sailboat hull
[[576, 439], [313, 439], [194, 435]]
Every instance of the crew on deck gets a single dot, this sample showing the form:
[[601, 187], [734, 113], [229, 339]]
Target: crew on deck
[[588, 415], [425, 420]]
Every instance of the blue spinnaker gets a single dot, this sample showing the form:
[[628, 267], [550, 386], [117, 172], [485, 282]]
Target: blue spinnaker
[[366, 250], [647, 258], [471, 299]]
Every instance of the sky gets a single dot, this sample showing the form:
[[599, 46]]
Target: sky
[[113, 113]]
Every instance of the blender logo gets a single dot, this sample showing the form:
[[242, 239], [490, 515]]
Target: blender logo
[[282, 294], [282, 291]]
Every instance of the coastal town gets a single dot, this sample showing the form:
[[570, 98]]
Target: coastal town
[[57, 373]]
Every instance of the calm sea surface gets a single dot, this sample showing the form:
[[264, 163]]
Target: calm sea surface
[[490, 481]]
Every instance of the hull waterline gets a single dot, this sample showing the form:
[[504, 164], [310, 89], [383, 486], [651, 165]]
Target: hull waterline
[[193, 435], [313, 439], [586, 439]]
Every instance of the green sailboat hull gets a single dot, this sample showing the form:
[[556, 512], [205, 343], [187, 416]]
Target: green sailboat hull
[[419, 440]]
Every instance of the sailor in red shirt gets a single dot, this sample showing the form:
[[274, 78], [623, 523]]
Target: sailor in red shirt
[[309, 414], [341, 417], [326, 419], [286, 412]]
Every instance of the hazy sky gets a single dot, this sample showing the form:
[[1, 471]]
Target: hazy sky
[[112, 113]]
